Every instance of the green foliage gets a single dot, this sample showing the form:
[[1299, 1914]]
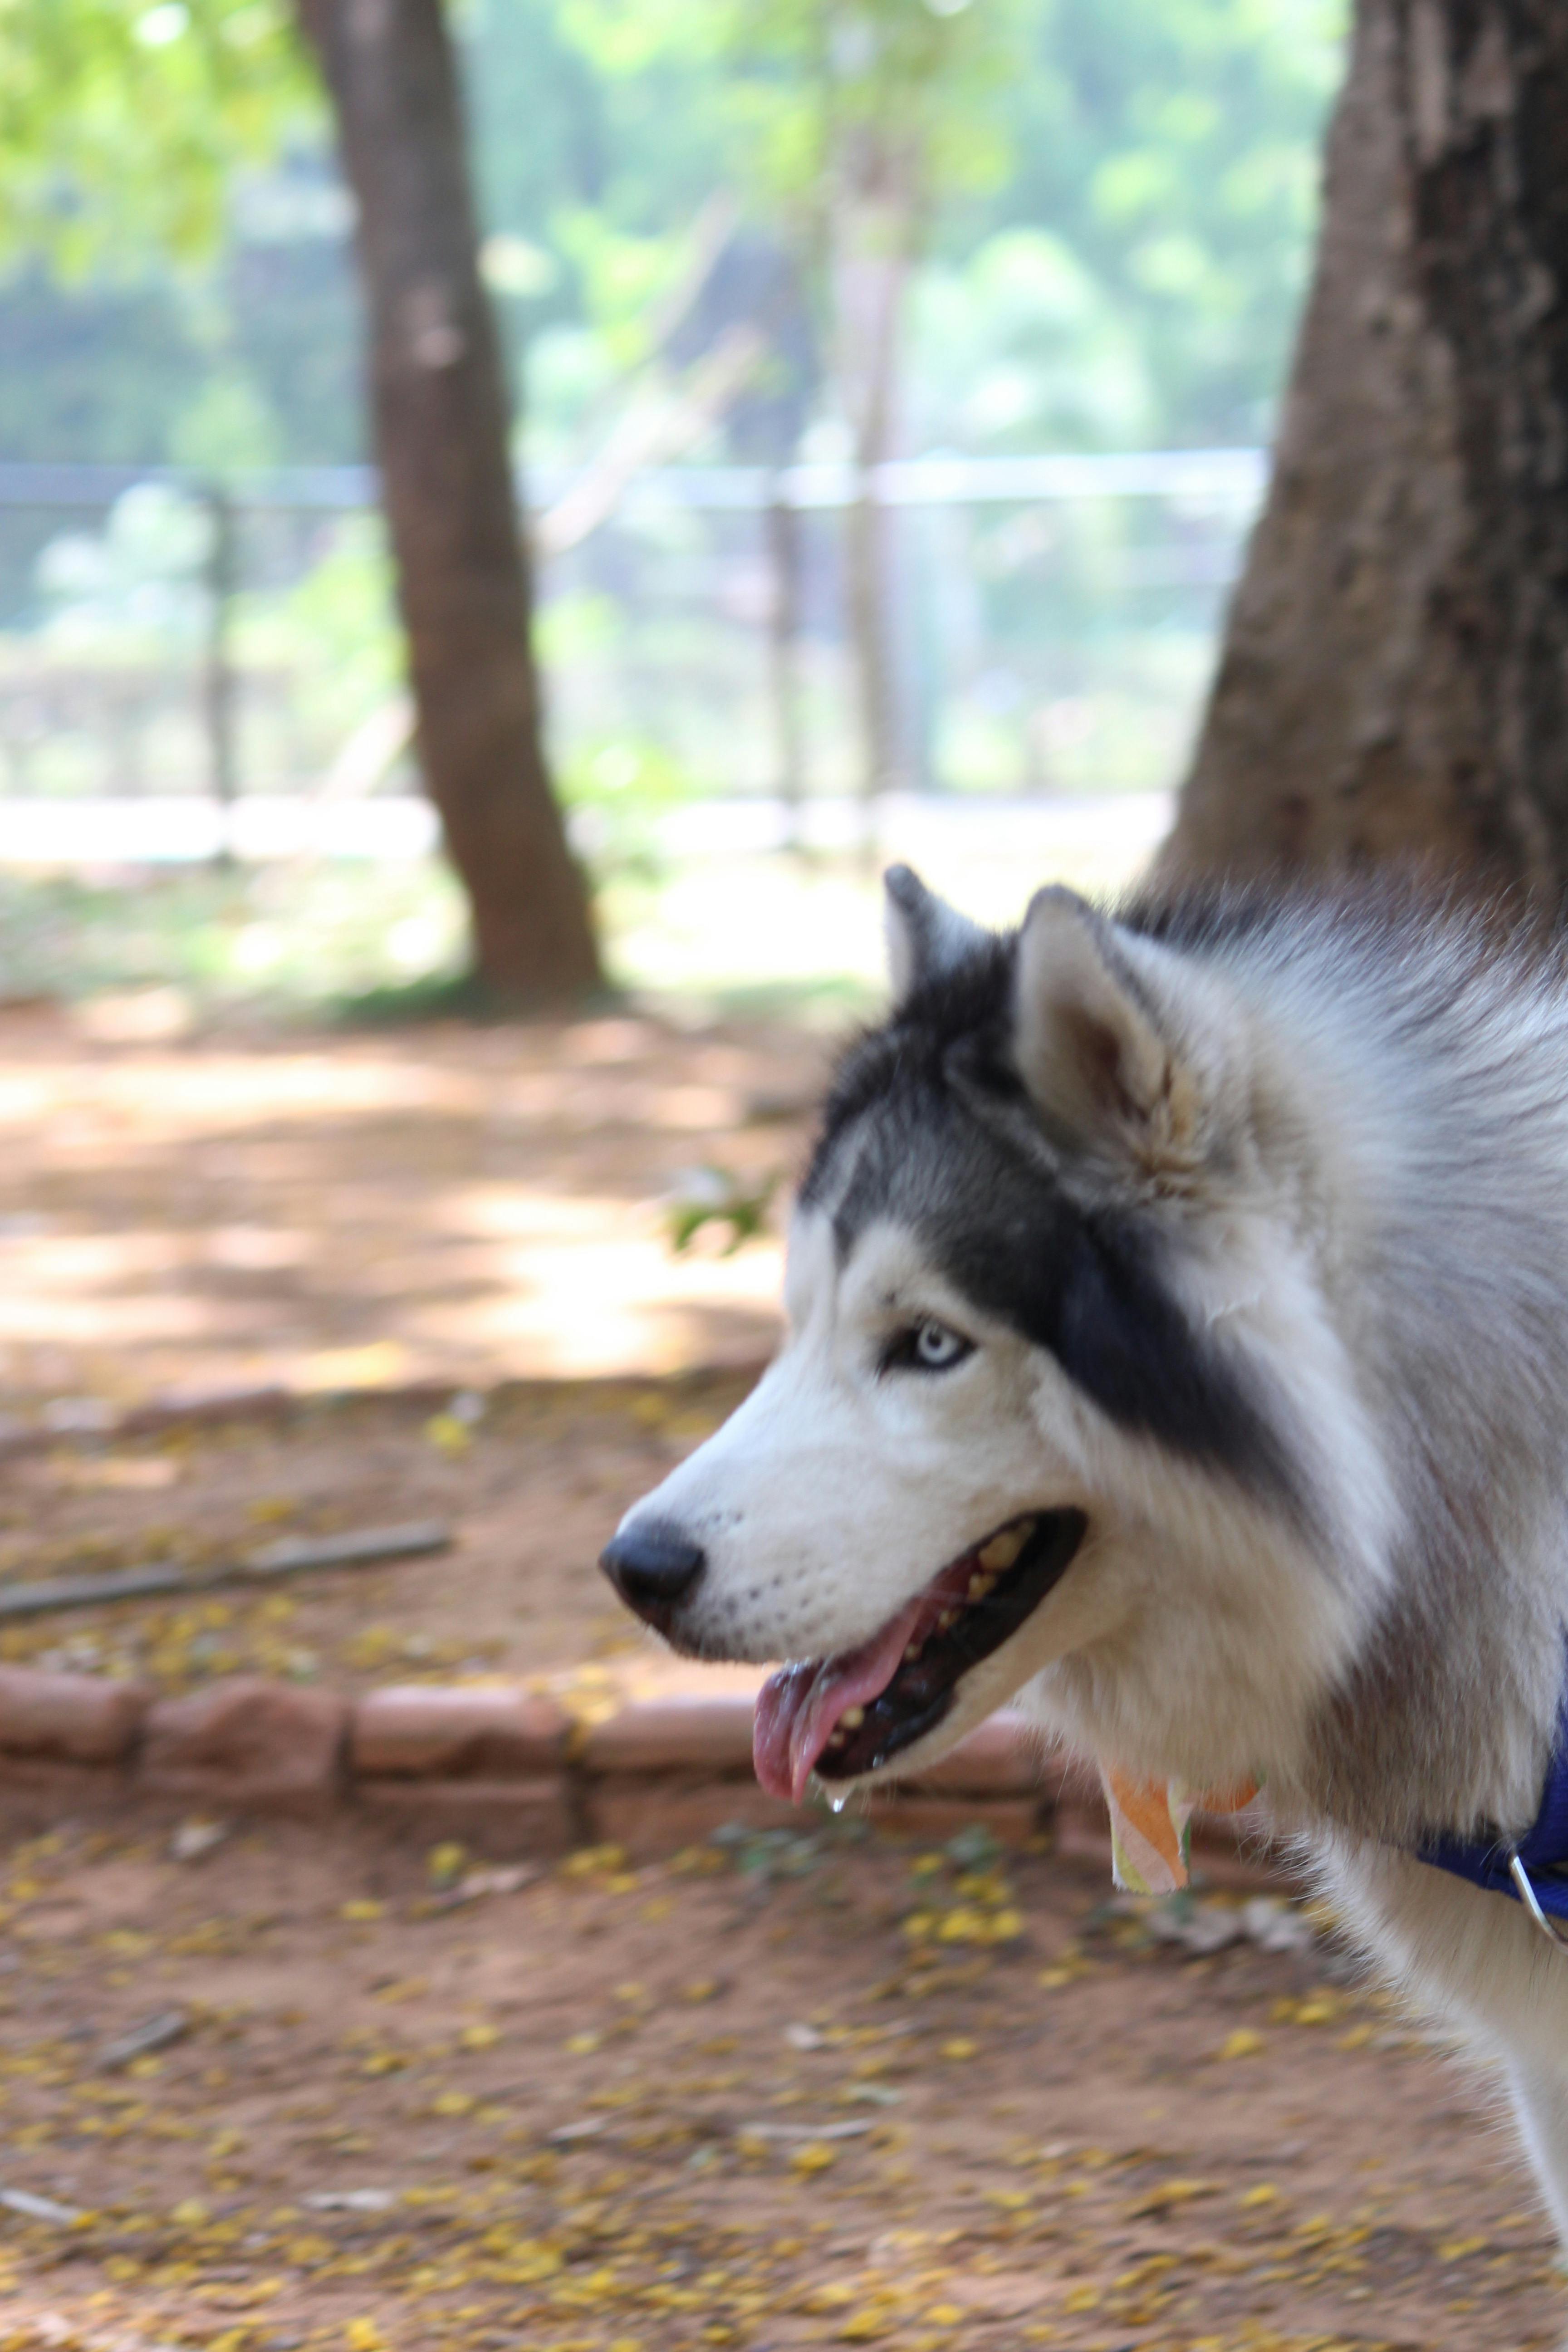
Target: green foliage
[[136, 585], [638, 151], [624, 279], [293, 939], [120, 121], [787, 92], [1172, 147], [717, 1197], [344, 607], [1133, 273], [1024, 348], [917, 79], [94, 369], [618, 789], [1162, 153]]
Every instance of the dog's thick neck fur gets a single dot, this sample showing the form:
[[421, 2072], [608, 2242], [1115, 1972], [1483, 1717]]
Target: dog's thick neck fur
[[1406, 1117], [1429, 1057]]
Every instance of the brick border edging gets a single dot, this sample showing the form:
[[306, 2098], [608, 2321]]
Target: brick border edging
[[508, 1761], [498, 1755]]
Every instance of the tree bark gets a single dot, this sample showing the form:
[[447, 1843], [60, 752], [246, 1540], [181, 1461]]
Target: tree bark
[[439, 408], [873, 238], [1395, 676]]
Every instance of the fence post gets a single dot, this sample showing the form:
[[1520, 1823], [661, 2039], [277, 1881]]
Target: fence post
[[869, 598], [218, 675], [784, 633]]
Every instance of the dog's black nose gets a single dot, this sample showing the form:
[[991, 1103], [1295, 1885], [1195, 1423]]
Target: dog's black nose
[[653, 1568]]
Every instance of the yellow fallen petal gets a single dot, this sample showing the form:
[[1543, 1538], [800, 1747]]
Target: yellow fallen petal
[[1174, 2192], [448, 1433], [1243, 2043], [589, 1859], [831, 2297]]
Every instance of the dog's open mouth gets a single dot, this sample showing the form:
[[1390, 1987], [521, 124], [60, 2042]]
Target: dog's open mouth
[[843, 1716]]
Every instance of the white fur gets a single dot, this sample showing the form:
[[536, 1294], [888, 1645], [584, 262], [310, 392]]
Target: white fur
[[1395, 1329]]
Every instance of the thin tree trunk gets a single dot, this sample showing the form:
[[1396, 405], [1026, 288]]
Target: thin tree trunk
[[784, 658], [439, 406], [218, 680], [873, 238], [1394, 679]]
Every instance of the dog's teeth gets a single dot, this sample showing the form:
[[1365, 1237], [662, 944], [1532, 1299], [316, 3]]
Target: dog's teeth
[[1004, 1550], [948, 1618], [979, 1585], [835, 1739], [852, 1718], [911, 1653]]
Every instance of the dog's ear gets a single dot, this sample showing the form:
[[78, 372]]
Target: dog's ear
[[926, 936], [1103, 1052]]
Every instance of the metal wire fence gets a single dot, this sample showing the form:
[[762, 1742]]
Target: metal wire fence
[[1052, 627]]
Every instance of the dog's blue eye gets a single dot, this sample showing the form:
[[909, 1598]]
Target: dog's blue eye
[[928, 1346]]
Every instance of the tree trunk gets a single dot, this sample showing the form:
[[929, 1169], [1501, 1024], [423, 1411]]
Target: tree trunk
[[873, 241], [783, 659], [1395, 677], [439, 407]]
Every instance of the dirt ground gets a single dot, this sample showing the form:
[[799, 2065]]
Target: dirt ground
[[343, 1209], [769, 2093], [531, 1492], [353, 1210]]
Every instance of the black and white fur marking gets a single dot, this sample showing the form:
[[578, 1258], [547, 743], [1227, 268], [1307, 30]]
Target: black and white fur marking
[[1246, 1223]]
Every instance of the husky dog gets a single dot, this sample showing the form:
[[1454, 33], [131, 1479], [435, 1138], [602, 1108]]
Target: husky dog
[[1178, 1348]]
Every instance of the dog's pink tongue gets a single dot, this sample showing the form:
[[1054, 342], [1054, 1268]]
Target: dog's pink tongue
[[798, 1708]]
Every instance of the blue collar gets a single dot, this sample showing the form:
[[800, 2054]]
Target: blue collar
[[1543, 1849]]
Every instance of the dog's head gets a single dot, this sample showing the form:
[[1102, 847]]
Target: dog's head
[[1062, 1402]]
